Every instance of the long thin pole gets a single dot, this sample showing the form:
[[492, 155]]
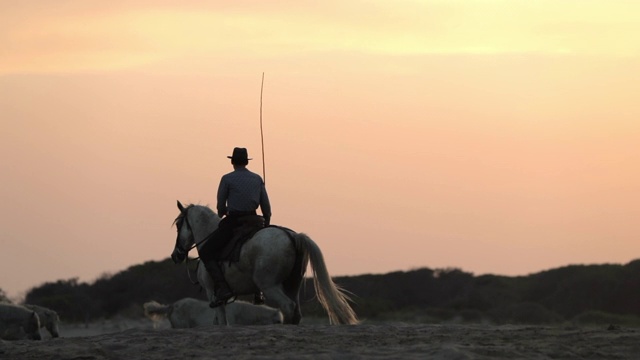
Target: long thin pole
[[264, 175]]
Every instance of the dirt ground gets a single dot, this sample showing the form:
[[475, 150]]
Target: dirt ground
[[145, 340]]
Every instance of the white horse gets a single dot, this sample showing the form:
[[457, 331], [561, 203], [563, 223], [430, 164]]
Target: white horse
[[17, 323], [189, 312], [273, 261], [48, 319]]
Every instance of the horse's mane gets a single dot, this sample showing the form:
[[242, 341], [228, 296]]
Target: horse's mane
[[178, 221]]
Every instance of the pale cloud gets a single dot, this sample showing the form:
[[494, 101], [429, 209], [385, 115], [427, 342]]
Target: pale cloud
[[129, 37]]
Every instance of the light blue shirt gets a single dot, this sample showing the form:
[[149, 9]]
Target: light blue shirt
[[242, 190]]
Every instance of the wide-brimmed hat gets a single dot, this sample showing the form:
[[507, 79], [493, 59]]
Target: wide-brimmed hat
[[239, 155]]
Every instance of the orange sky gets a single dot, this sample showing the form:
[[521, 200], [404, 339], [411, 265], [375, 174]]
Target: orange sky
[[495, 136]]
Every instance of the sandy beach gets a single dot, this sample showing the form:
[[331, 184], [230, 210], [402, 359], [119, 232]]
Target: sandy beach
[[146, 340]]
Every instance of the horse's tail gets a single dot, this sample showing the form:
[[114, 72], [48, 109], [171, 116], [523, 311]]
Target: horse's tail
[[332, 297], [153, 310]]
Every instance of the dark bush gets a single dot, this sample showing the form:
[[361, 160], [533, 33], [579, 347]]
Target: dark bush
[[578, 292]]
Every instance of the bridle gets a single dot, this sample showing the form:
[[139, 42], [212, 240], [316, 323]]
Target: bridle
[[182, 252], [179, 224]]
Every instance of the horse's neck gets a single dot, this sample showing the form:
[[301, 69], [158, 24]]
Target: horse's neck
[[204, 230]]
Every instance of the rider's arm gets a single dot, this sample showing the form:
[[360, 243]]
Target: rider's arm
[[265, 206], [223, 195]]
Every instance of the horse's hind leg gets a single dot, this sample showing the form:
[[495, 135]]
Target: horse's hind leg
[[297, 314], [294, 296], [287, 306]]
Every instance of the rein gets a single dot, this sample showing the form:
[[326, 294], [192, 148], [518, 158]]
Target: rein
[[194, 282], [195, 245]]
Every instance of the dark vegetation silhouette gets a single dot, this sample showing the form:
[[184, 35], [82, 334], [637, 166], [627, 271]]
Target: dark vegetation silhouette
[[3, 297], [582, 294]]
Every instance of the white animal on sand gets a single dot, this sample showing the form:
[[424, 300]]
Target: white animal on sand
[[18, 323], [189, 312], [48, 319]]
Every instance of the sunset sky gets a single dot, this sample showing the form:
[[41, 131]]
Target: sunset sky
[[495, 136]]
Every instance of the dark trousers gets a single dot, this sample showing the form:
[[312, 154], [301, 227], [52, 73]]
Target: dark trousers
[[209, 257], [218, 239], [211, 249]]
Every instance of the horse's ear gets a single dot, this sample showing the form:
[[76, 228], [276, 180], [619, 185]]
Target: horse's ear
[[180, 206]]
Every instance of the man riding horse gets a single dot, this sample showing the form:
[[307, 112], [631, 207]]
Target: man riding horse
[[239, 194]]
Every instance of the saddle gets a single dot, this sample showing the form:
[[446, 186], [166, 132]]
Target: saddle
[[247, 227]]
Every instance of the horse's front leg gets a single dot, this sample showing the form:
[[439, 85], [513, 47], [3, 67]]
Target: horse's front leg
[[221, 315], [206, 282]]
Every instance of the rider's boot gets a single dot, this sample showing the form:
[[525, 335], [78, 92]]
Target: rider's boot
[[222, 291]]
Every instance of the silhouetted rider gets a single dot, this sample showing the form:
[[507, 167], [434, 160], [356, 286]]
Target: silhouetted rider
[[239, 194]]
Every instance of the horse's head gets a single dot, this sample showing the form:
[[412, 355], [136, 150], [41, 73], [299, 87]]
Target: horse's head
[[51, 321], [184, 239], [194, 224]]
